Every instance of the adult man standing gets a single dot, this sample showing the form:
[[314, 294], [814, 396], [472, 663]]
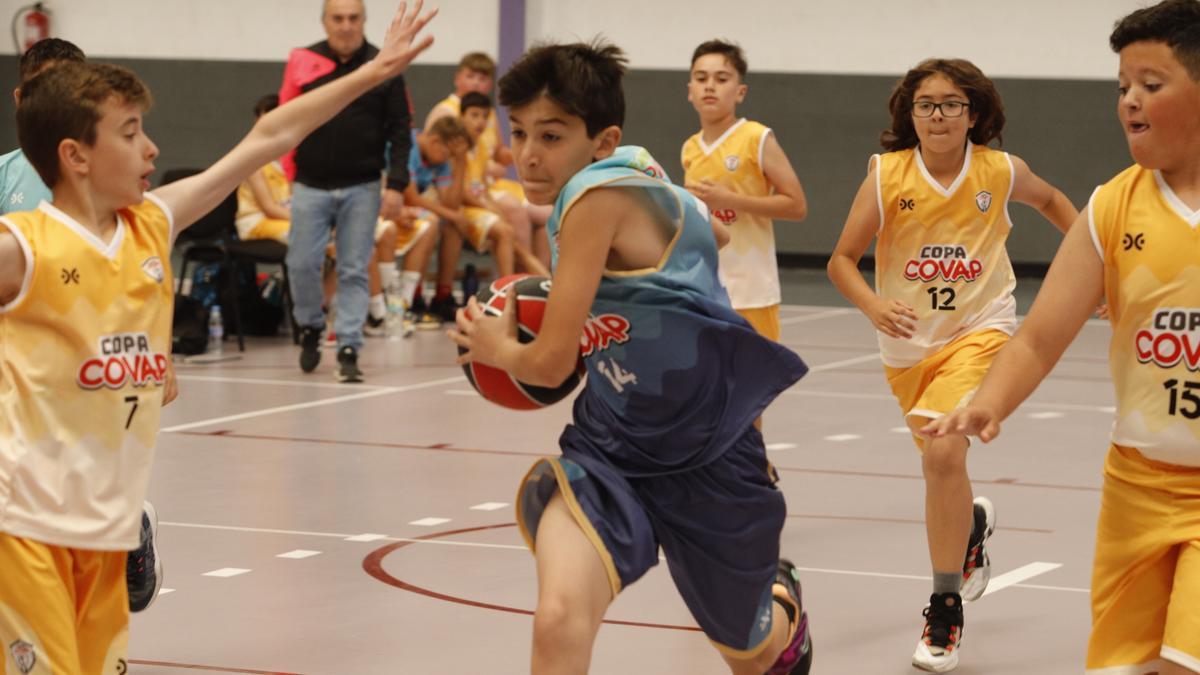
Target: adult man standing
[[336, 172]]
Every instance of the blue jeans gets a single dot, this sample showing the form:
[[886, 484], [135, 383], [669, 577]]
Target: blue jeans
[[351, 213]]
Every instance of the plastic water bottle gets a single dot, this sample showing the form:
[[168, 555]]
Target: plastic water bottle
[[216, 330]]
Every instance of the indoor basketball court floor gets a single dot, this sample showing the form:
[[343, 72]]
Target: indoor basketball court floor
[[313, 527]]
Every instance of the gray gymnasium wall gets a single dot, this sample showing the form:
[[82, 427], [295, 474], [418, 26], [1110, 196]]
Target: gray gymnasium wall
[[828, 125]]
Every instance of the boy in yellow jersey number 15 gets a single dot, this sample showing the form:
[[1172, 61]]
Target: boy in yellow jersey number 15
[[1138, 246]]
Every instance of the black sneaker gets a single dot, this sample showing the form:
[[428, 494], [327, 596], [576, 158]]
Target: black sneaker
[[796, 658], [310, 348], [937, 650], [143, 568], [375, 327], [977, 567], [348, 371], [444, 308]]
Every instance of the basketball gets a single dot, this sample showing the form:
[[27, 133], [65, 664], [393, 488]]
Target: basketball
[[498, 386]]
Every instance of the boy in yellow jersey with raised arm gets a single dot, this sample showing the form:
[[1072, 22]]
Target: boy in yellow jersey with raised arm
[[1138, 246], [942, 303], [85, 331], [738, 169]]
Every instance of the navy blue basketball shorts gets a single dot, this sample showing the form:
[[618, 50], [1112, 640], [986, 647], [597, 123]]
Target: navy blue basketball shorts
[[718, 526]]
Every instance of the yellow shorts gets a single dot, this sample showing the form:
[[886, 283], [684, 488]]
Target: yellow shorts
[[764, 319], [1146, 575], [406, 238], [945, 380], [479, 223], [270, 228], [508, 187], [62, 610]]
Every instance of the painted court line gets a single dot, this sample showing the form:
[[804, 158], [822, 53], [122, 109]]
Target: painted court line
[[314, 404], [843, 437], [845, 362], [800, 390], [1048, 415], [1012, 578], [164, 591], [780, 446], [1018, 575], [814, 317], [298, 554], [429, 522], [489, 506], [307, 384], [226, 572]]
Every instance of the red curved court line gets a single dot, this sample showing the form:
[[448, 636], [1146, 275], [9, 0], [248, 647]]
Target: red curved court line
[[373, 565], [211, 669]]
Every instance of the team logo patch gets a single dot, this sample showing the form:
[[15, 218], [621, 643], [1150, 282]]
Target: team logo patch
[[983, 200], [732, 163], [948, 262], [153, 267], [23, 655], [600, 332], [123, 359], [1172, 339]]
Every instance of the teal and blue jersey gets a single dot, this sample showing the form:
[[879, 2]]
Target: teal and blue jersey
[[675, 376], [21, 189]]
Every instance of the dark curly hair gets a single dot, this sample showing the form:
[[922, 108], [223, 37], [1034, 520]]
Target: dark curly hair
[[986, 107], [584, 79], [1174, 22]]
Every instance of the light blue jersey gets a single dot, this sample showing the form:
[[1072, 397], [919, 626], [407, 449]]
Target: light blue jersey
[[675, 375], [21, 189]]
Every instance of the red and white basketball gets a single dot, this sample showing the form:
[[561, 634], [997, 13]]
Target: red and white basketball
[[498, 386]]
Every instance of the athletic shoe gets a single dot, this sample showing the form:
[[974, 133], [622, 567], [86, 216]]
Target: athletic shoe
[[310, 348], [977, 568], [445, 308], [796, 658], [143, 567], [375, 327], [937, 650], [348, 371]]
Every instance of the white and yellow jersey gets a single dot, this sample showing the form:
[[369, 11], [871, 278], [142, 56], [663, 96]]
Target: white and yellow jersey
[[1150, 244], [83, 357], [250, 212], [747, 263], [490, 137], [941, 250]]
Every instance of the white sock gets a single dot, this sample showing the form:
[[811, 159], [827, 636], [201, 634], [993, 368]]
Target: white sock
[[378, 307], [409, 280], [389, 276]]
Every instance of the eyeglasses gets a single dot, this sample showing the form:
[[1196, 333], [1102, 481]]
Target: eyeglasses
[[948, 108]]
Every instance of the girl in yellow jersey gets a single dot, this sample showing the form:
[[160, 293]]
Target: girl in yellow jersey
[[265, 197], [942, 302], [1137, 245], [85, 326]]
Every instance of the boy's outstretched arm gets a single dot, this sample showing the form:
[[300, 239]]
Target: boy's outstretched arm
[[587, 236], [12, 266], [1073, 287], [1031, 190], [787, 202], [283, 128], [890, 317]]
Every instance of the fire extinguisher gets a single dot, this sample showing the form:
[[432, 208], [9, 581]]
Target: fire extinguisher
[[34, 25]]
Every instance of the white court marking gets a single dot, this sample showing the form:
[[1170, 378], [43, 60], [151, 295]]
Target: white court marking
[[997, 583], [461, 392], [298, 554], [819, 315], [226, 572], [780, 446], [845, 362], [370, 536], [164, 591], [1048, 415], [901, 430], [1018, 575], [489, 506], [798, 390], [429, 522], [838, 438], [314, 404], [278, 383]]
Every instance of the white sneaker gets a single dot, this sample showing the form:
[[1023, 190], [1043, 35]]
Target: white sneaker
[[977, 568]]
